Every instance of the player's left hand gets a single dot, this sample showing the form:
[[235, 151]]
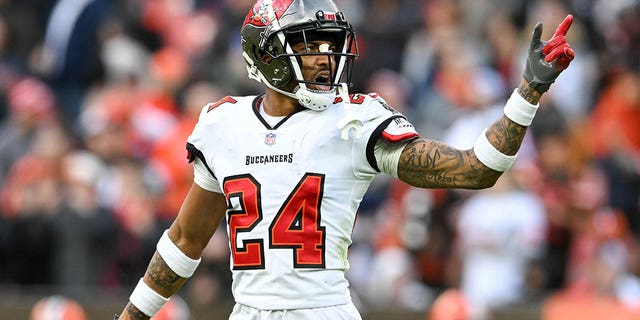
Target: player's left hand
[[547, 59]]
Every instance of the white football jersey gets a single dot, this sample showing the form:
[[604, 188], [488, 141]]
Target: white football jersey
[[293, 190]]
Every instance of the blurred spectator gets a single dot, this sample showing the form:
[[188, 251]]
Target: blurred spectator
[[619, 26], [124, 58], [450, 305], [180, 25], [30, 203], [125, 119], [208, 284], [8, 71], [168, 154], [500, 232], [453, 85], [70, 58], [381, 43], [24, 23], [489, 92], [58, 307], [420, 54], [615, 140], [31, 105], [175, 309], [136, 212], [503, 44], [82, 229], [220, 64], [601, 285], [396, 285], [430, 53]]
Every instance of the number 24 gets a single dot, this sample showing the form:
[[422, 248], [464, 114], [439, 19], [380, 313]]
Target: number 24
[[296, 226]]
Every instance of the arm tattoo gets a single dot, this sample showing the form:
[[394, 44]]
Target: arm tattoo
[[432, 164], [162, 277], [134, 313], [532, 96], [506, 135]]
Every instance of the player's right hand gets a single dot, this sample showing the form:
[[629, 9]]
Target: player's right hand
[[547, 59]]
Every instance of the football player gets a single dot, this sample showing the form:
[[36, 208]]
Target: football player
[[287, 169]]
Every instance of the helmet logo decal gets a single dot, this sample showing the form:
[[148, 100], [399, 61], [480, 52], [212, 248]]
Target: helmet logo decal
[[259, 15]]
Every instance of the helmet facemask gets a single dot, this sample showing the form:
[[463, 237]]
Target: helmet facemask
[[273, 61]]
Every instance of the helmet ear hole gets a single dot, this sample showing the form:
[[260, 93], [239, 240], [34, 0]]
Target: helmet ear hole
[[276, 71]]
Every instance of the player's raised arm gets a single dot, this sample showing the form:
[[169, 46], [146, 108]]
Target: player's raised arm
[[178, 253], [433, 164]]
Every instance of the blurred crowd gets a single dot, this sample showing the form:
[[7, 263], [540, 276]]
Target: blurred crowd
[[97, 98]]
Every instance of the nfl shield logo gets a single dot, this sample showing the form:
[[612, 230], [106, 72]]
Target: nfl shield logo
[[270, 138]]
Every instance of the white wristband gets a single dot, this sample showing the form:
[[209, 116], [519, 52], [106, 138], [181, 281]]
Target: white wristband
[[490, 156], [146, 299], [520, 110], [175, 258]]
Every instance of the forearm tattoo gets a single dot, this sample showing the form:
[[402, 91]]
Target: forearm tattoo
[[162, 278], [506, 135], [433, 164], [532, 96], [134, 313]]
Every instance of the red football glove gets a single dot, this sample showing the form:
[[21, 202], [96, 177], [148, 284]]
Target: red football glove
[[547, 59]]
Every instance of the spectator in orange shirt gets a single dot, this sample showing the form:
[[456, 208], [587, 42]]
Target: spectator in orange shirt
[[615, 139]]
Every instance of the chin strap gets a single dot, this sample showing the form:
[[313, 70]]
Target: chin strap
[[348, 122]]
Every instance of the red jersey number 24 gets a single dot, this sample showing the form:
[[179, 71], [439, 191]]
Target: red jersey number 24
[[296, 226]]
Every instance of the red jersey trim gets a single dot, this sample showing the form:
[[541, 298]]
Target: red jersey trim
[[400, 137]]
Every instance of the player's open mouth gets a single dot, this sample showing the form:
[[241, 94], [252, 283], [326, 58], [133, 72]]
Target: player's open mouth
[[322, 78]]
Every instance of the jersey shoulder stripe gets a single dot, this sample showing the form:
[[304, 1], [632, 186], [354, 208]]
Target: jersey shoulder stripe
[[227, 99], [225, 106]]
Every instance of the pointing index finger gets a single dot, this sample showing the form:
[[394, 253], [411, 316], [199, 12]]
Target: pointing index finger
[[564, 26]]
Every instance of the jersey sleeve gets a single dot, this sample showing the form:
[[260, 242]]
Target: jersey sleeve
[[203, 178], [203, 173], [389, 138]]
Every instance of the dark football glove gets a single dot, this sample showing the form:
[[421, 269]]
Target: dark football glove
[[547, 59]]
